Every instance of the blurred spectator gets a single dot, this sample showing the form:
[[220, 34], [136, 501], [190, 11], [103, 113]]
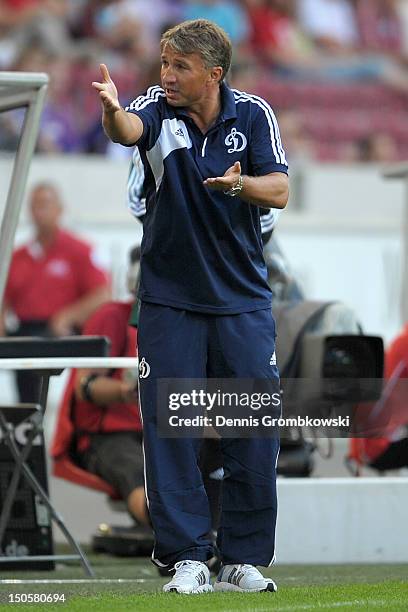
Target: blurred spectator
[[377, 148], [277, 38], [132, 27], [99, 422], [40, 35], [298, 145], [119, 29], [333, 26], [60, 126], [245, 76], [105, 412], [70, 119], [312, 44], [403, 15], [331, 23], [14, 18], [380, 26], [54, 281], [228, 14], [25, 21]]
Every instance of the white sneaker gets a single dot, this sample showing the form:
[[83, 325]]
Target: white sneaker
[[245, 578], [190, 577]]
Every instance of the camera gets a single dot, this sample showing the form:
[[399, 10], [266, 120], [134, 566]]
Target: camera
[[344, 368]]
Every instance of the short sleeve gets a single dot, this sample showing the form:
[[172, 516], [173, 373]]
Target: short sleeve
[[266, 150], [147, 108]]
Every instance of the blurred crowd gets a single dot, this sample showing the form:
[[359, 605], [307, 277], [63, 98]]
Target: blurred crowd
[[336, 71]]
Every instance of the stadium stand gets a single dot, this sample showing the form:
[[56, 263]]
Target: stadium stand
[[330, 71]]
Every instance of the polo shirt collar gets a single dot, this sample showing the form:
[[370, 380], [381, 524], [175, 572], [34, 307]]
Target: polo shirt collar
[[228, 105]]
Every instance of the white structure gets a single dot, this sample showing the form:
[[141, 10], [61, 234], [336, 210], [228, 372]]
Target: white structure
[[19, 90], [342, 520]]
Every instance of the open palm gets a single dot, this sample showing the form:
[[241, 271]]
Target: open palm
[[229, 180]]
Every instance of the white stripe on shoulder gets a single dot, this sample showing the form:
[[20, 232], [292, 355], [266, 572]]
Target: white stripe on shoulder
[[241, 96], [276, 142], [147, 96], [275, 123], [152, 95], [158, 94]]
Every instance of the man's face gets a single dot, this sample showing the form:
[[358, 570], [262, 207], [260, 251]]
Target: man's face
[[184, 78], [45, 209]]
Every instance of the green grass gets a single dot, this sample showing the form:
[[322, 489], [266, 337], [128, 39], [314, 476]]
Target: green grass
[[331, 587]]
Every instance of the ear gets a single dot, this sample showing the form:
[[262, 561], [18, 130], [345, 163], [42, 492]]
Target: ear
[[216, 74]]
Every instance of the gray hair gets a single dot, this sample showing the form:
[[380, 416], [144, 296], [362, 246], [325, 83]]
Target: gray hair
[[203, 37]]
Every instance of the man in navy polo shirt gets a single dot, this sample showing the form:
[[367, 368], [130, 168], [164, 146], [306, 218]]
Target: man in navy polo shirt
[[212, 157]]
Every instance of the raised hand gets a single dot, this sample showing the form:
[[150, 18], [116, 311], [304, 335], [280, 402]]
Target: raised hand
[[226, 182], [107, 91]]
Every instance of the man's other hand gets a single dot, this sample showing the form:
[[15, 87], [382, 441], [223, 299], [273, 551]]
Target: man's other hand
[[226, 182]]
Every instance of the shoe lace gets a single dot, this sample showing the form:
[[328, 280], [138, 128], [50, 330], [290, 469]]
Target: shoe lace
[[187, 568]]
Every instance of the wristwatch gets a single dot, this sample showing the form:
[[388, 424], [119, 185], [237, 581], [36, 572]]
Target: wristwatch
[[234, 191]]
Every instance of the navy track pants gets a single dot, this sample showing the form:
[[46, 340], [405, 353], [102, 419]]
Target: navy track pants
[[183, 344]]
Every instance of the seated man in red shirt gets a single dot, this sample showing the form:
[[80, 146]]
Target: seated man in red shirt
[[105, 412], [54, 282]]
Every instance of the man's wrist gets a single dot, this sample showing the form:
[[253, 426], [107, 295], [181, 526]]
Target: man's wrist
[[85, 384], [237, 188]]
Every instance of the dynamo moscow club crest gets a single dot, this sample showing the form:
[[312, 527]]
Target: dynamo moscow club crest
[[236, 141], [144, 368]]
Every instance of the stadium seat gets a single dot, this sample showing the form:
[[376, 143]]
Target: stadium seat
[[135, 540], [336, 115], [64, 465]]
